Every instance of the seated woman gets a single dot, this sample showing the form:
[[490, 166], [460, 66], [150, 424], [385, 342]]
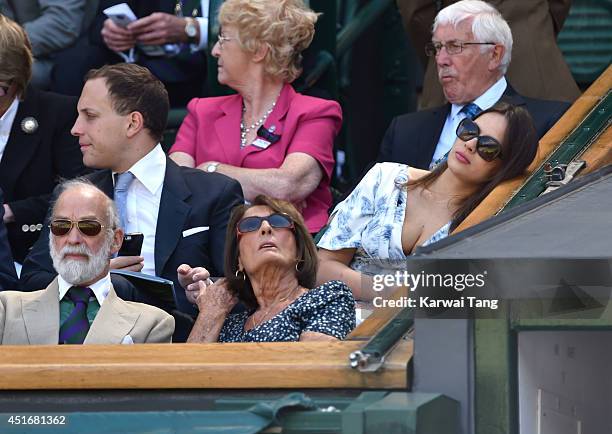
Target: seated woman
[[396, 208], [270, 264], [273, 140]]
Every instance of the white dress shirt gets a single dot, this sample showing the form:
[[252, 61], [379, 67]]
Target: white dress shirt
[[203, 23], [6, 124], [100, 289], [143, 198], [484, 101]]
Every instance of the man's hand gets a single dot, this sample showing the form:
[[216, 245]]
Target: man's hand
[[193, 280], [159, 28], [117, 38], [127, 263]]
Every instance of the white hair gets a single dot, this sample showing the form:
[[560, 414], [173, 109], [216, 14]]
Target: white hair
[[76, 271], [112, 214], [488, 25]]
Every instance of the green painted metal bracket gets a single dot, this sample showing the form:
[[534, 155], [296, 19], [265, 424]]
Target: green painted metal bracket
[[359, 24], [371, 356], [593, 125]]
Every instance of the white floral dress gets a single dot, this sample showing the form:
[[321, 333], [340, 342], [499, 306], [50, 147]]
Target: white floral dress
[[370, 220]]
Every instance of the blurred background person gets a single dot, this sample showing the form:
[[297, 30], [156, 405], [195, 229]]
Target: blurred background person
[[8, 277], [273, 140], [270, 266], [538, 69], [36, 148], [52, 26], [396, 208], [176, 29]]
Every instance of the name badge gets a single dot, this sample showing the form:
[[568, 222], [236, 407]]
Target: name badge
[[261, 143]]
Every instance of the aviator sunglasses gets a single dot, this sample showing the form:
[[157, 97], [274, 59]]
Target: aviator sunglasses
[[487, 147], [89, 228], [277, 221]]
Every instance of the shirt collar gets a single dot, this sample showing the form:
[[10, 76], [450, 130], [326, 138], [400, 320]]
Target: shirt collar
[[11, 111], [101, 288], [487, 99], [150, 169]]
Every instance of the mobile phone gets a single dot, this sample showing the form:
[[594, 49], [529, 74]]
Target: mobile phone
[[121, 20], [132, 244]]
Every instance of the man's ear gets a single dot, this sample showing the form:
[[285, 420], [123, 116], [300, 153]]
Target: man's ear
[[135, 124], [117, 241], [496, 56]]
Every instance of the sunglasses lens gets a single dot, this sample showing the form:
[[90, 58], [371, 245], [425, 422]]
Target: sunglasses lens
[[249, 224], [91, 228], [280, 221], [467, 130], [488, 148], [60, 227]]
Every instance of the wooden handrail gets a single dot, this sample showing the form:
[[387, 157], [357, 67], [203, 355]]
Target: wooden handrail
[[598, 155], [215, 366]]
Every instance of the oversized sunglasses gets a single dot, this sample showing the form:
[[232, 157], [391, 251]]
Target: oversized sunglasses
[[89, 228], [487, 147], [277, 221]]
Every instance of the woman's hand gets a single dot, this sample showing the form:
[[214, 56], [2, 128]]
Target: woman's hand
[[192, 280], [216, 297]]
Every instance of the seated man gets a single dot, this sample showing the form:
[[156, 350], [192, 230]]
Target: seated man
[[472, 44], [181, 212], [52, 26], [84, 234]]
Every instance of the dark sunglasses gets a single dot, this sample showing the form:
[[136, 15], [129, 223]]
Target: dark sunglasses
[[277, 221], [89, 228], [487, 147]]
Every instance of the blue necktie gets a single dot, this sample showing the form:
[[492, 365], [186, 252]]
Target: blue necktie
[[75, 328], [122, 183], [470, 111]]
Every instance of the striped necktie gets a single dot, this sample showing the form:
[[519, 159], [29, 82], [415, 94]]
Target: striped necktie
[[470, 111], [75, 328]]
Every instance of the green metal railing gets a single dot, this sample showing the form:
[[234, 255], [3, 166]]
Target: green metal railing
[[593, 125]]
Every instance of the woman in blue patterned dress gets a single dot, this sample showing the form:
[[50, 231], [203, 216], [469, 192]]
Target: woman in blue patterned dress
[[396, 208], [270, 264]]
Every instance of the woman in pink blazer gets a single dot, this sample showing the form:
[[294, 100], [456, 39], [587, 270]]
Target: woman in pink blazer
[[273, 140]]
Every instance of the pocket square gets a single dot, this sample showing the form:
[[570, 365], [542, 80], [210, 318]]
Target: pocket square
[[127, 340], [192, 231]]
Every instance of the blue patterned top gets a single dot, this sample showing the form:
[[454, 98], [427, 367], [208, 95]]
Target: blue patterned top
[[328, 309], [370, 219]]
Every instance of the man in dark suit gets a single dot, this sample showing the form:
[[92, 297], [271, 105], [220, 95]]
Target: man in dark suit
[[8, 277], [182, 212], [472, 57], [36, 147]]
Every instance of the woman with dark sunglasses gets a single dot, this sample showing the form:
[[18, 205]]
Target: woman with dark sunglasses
[[396, 208], [270, 265]]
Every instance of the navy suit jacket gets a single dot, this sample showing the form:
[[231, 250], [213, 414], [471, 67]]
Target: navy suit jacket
[[190, 198], [412, 138], [33, 163], [8, 277]]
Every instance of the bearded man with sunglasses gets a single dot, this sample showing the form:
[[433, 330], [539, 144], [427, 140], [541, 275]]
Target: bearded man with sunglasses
[[84, 234], [472, 45]]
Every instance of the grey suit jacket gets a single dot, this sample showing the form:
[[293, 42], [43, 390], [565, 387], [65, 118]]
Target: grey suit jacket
[[32, 318], [51, 25]]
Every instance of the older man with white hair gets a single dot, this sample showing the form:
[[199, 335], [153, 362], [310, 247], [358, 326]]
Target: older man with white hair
[[80, 306], [472, 46]]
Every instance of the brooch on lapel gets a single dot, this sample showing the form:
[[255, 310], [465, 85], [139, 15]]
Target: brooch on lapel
[[29, 125]]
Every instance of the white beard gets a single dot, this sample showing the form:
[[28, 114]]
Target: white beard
[[76, 271]]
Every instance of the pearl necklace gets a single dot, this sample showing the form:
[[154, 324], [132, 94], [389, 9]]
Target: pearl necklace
[[254, 126], [282, 300]]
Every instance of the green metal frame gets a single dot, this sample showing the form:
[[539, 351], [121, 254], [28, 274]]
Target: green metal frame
[[370, 412], [593, 125]]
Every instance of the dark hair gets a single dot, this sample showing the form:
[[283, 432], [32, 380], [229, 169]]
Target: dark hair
[[133, 88], [306, 249], [519, 148]]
